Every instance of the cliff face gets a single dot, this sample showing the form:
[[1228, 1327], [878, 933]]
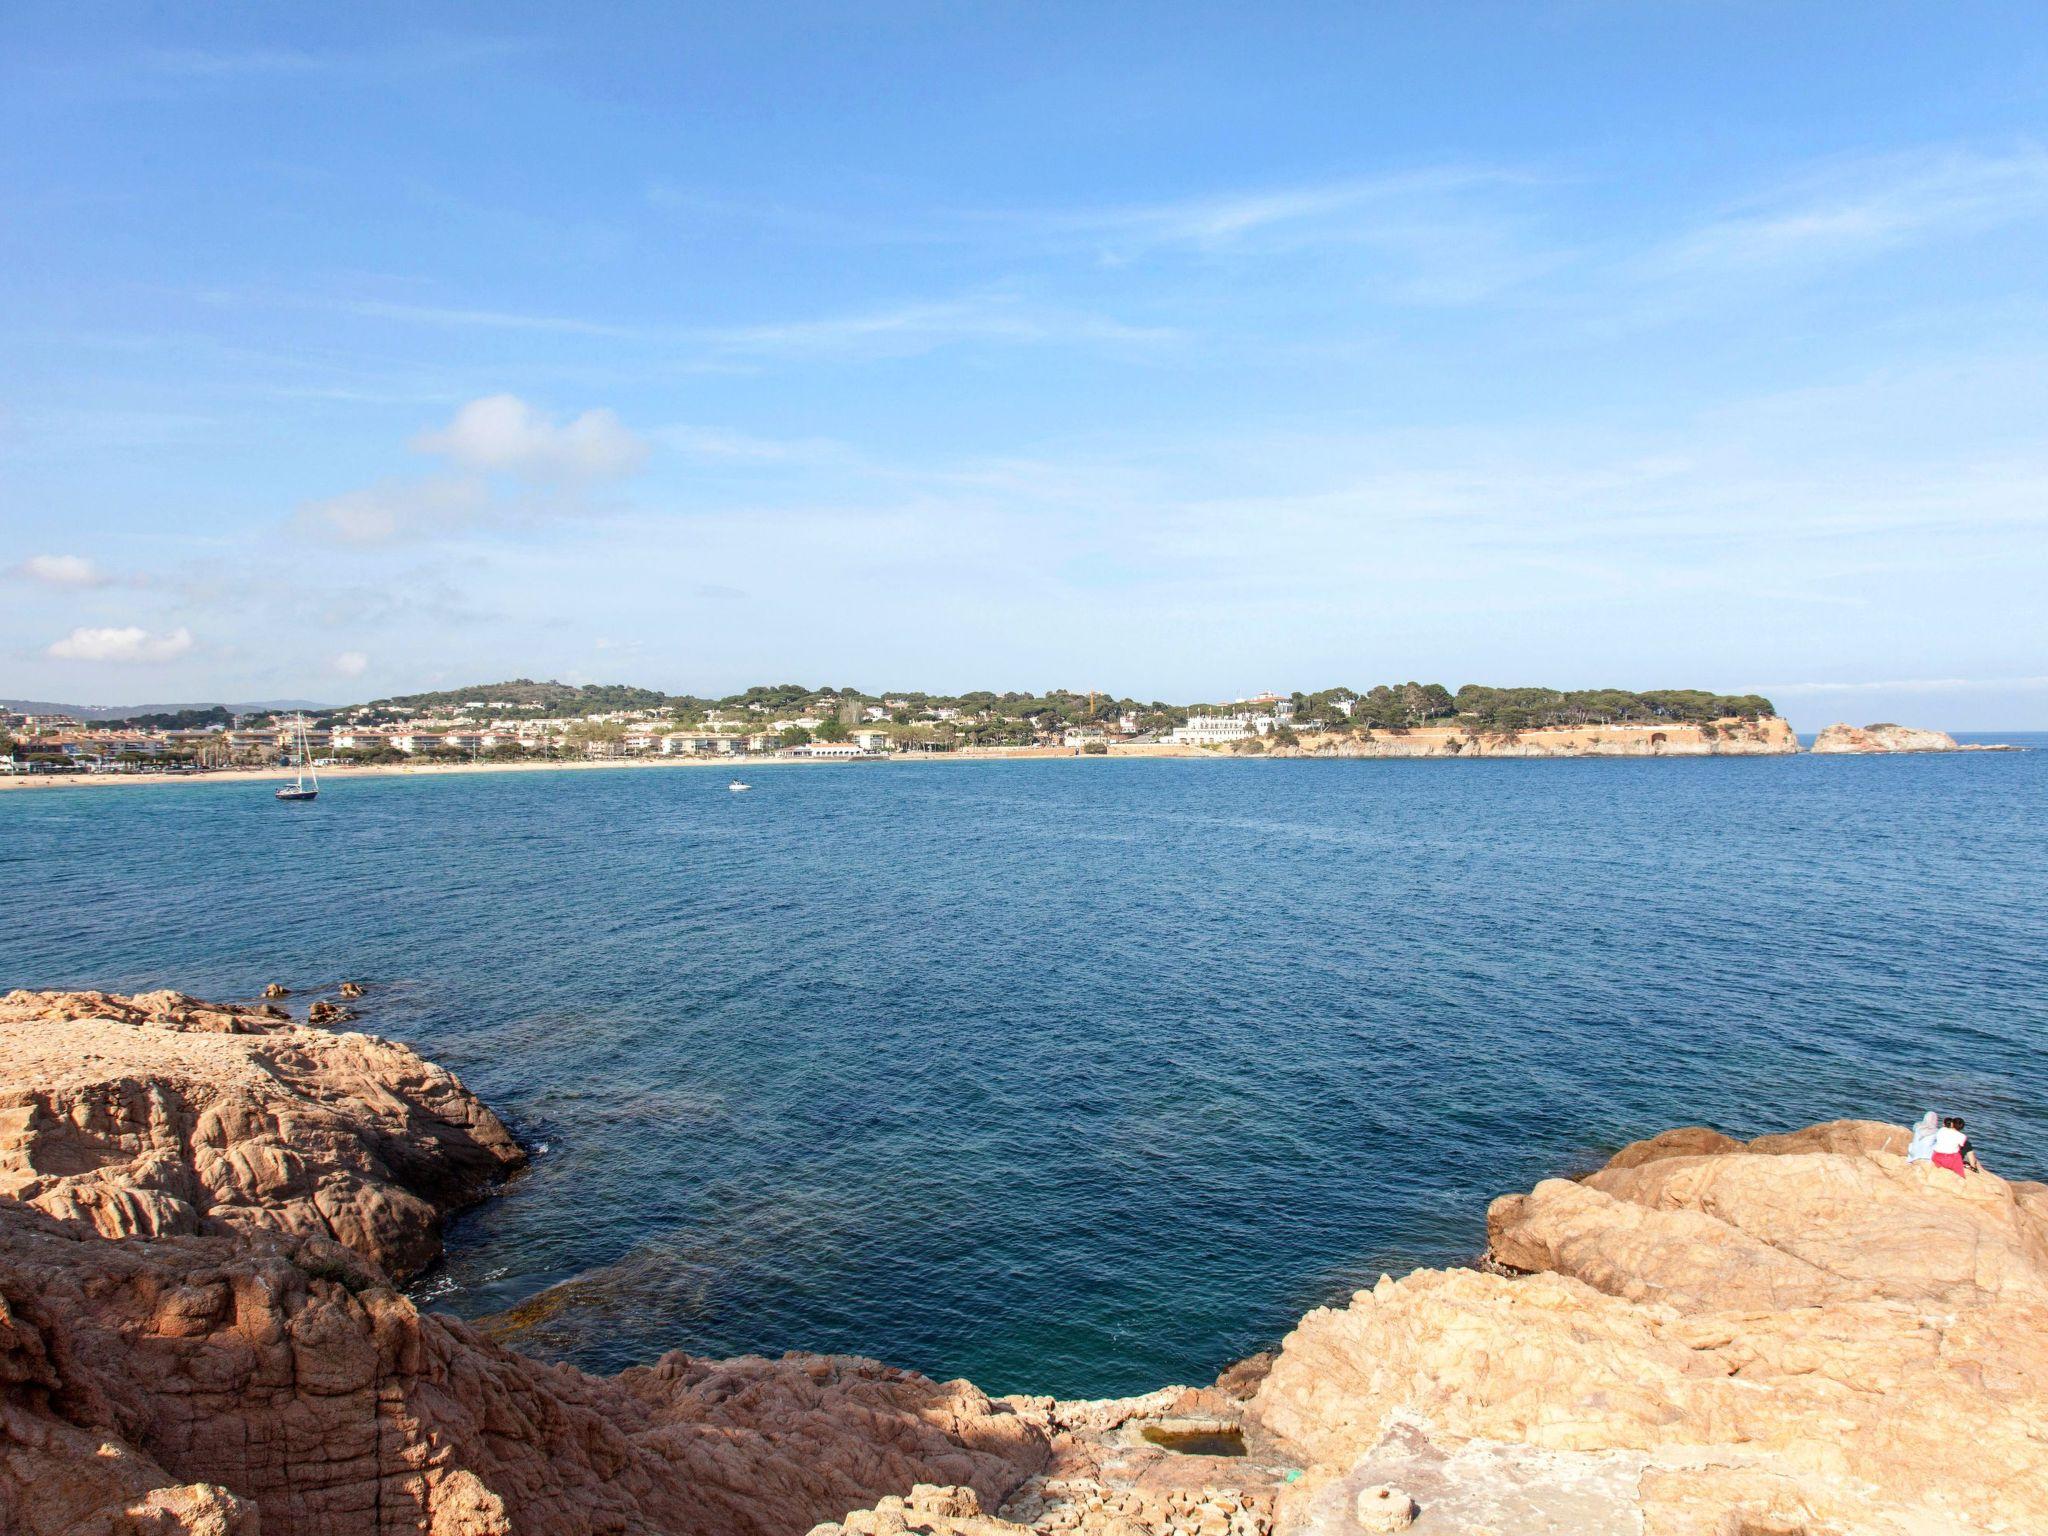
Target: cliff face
[[1881, 738], [1796, 1336], [1726, 738]]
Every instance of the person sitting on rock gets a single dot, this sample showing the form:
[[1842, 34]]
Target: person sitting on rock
[[1921, 1148], [1952, 1149]]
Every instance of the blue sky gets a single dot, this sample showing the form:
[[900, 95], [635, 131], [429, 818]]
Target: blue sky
[[1175, 350]]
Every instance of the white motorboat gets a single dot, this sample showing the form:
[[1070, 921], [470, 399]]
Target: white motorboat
[[737, 785]]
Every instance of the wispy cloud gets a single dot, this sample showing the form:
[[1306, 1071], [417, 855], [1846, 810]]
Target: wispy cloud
[[1917, 685], [922, 327], [1451, 234], [493, 319], [723, 445], [396, 509], [908, 328], [1348, 208], [1853, 208]]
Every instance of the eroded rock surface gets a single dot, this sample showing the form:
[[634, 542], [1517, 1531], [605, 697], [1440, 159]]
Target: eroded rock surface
[[296, 1379], [1881, 738], [1803, 1334], [203, 1208], [159, 1115]]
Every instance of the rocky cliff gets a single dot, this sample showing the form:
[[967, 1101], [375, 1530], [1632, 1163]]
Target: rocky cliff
[[1800, 1335], [1881, 738], [1725, 738]]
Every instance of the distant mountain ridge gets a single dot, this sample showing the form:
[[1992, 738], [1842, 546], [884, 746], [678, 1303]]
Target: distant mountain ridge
[[124, 711]]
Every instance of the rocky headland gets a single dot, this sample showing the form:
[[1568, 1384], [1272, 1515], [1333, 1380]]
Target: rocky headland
[[1881, 738], [1766, 737], [204, 1210]]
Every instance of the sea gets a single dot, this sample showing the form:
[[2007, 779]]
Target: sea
[[1079, 1076]]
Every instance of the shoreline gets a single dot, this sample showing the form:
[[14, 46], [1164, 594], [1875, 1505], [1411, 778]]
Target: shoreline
[[1421, 743], [161, 1328]]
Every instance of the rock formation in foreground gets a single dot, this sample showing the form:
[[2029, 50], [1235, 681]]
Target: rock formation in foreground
[[1796, 1336], [158, 1114], [1881, 738], [203, 1207]]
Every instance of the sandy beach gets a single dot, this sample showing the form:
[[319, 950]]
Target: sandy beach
[[427, 770]]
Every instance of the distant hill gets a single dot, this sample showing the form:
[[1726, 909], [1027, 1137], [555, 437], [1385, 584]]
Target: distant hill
[[541, 698], [129, 711]]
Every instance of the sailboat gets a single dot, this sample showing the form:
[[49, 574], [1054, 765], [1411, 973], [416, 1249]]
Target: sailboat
[[305, 784]]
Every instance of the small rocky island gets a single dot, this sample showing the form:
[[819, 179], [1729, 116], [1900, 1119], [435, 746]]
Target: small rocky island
[[206, 1210], [1884, 737]]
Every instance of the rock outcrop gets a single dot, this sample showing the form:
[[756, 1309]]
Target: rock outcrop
[[1881, 738], [290, 1379], [202, 1210], [1803, 1334], [159, 1115]]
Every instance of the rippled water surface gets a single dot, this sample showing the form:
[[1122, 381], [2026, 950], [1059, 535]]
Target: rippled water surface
[[1080, 1076]]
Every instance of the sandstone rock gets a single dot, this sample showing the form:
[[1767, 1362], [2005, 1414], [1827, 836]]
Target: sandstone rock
[[1758, 1339], [1686, 1141], [351, 990], [1881, 738], [333, 1407], [326, 1015], [156, 1114], [276, 989]]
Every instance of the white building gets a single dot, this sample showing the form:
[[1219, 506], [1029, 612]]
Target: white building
[[1215, 730], [697, 744], [833, 749]]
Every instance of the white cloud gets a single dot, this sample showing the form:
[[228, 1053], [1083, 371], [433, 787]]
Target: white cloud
[[350, 664], [61, 571], [121, 644], [503, 434]]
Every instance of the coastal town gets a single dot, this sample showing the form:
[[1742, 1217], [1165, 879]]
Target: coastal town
[[526, 722]]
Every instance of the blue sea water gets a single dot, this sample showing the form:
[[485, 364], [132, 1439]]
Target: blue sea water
[[1081, 1076]]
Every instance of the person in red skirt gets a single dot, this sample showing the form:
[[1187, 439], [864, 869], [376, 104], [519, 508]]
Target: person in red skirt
[[1952, 1149]]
